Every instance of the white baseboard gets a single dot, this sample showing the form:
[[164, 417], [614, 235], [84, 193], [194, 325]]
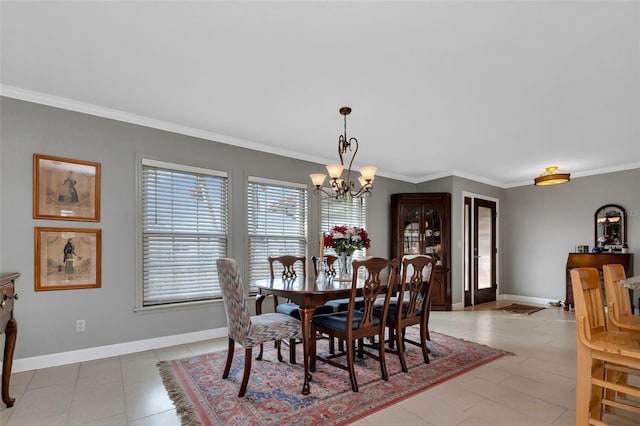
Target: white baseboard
[[89, 354]]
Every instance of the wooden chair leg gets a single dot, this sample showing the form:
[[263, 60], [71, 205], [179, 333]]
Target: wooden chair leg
[[259, 357], [424, 336], [383, 363], [292, 351], [350, 361], [398, 341], [332, 345], [583, 385], [227, 366], [279, 347], [312, 350], [247, 371]]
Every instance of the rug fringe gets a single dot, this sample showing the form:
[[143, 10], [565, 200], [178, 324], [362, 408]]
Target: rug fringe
[[184, 408]]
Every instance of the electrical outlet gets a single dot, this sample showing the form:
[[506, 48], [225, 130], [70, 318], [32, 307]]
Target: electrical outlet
[[79, 326]]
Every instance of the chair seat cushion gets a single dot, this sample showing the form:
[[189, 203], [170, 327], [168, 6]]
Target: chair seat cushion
[[339, 305], [272, 326], [338, 320], [292, 309], [391, 313]]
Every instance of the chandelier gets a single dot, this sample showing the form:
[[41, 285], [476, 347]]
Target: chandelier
[[344, 187], [552, 176]]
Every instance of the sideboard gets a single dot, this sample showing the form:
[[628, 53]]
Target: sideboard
[[594, 260], [9, 326]]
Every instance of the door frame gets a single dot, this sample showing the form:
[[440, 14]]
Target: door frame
[[463, 260]]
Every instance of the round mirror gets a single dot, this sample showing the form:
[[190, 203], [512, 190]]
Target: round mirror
[[611, 232]]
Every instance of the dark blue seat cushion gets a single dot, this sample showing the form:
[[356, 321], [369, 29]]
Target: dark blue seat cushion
[[391, 313], [291, 309], [338, 320], [339, 305]]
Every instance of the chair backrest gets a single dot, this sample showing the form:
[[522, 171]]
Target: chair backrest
[[415, 285], [235, 304], [587, 297], [378, 274], [617, 296], [289, 266], [330, 260]]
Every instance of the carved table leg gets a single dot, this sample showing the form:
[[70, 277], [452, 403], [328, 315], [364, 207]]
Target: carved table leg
[[305, 318], [9, 345]]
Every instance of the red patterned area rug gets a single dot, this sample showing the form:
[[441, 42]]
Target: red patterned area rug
[[273, 395]]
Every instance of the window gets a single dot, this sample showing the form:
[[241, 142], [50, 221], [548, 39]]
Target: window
[[276, 223], [184, 231], [349, 212]]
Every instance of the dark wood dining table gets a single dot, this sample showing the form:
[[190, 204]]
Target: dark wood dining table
[[308, 293]]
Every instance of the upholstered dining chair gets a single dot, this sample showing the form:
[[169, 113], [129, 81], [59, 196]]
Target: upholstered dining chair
[[411, 306], [249, 331], [289, 265], [602, 354], [355, 324]]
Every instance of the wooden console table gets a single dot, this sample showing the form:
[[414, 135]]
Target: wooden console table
[[594, 260], [9, 325]]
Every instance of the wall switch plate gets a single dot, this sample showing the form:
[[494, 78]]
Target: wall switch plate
[[79, 326]]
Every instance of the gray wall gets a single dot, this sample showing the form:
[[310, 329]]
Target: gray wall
[[538, 225], [542, 224], [46, 319]]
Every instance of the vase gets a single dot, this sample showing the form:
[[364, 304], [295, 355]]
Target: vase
[[345, 268]]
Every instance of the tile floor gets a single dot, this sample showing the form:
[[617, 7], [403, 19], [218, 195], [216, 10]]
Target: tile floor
[[534, 387]]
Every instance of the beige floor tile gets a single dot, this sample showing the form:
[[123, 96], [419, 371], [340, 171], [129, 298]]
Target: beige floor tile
[[55, 376], [96, 401], [396, 415], [100, 371], [145, 398], [167, 418], [432, 410]]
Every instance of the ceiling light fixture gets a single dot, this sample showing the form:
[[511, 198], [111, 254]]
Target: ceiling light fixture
[[552, 176], [343, 188]]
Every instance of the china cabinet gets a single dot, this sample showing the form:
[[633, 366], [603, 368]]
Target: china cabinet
[[421, 224]]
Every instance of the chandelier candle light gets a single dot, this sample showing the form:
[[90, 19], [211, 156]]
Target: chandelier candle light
[[344, 240], [345, 187]]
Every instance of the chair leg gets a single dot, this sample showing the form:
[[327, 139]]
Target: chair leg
[[383, 363], [424, 336], [292, 351], [279, 346], [332, 345], [259, 357], [312, 350], [350, 361], [398, 341], [227, 366], [247, 371], [583, 385]]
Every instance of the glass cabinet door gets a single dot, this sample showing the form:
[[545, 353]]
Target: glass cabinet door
[[411, 237], [432, 235]]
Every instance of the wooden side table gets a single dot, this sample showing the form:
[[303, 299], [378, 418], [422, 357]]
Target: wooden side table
[[9, 325]]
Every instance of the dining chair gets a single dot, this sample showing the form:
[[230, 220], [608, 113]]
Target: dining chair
[[355, 324], [411, 306], [329, 260], [619, 316], [619, 306], [289, 264], [602, 354], [249, 331]]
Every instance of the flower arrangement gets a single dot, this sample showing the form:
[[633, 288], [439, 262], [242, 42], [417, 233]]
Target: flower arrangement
[[347, 239]]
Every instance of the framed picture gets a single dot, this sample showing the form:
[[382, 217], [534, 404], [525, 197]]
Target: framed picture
[[65, 189], [67, 258]]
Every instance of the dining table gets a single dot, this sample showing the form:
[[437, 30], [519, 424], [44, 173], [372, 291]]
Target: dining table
[[308, 293]]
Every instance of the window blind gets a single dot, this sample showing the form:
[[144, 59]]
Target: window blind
[[348, 212], [276, 223], [184, 223]]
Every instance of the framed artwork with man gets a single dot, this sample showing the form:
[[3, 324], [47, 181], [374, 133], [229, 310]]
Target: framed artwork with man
[[65, 189]]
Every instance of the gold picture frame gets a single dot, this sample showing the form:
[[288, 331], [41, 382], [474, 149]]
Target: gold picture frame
[[65, 189], [67, 258]]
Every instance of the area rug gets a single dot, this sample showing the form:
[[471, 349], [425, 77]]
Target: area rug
[[274, 396], [521, 309]]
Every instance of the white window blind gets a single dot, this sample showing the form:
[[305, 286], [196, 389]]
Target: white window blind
[[348, 212], [276, 223], [184, 231]]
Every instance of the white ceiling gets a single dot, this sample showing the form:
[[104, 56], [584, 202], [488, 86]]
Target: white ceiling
[[493, 91]]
